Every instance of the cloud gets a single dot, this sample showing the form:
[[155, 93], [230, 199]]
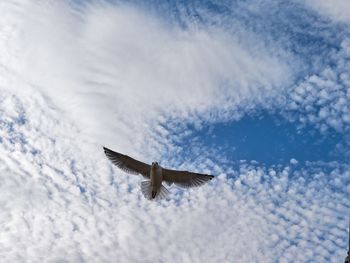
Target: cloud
[[133, 67], [69, 71], [321, 99], [338, 10], [70, 205]]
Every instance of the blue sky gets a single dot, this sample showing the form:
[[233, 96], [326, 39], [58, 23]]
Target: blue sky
[[269, 139], [254, 92]]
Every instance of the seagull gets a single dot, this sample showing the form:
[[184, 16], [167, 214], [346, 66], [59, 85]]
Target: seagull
[[152, 188]]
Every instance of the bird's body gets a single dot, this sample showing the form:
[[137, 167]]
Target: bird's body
[[156, 178], [153, 188]]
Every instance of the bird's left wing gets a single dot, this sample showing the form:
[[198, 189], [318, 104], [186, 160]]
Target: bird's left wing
[[128, 164], [185, 179]]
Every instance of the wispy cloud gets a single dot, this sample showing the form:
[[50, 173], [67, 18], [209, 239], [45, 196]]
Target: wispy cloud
[[338, 10], [75, 76], [134, 67]]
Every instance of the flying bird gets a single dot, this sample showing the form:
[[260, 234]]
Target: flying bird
[[155, 175]]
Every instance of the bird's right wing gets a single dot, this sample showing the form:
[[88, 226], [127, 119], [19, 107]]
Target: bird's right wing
[[185, 179], [128, 164]]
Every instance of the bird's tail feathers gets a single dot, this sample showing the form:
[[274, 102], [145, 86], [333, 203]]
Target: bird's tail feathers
[[163, 192], [146, 189]]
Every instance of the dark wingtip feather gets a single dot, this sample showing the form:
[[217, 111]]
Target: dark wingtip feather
[[109, 153], [209, 176], [106, 150]]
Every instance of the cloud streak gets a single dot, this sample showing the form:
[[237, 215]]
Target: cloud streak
[[103, 56]]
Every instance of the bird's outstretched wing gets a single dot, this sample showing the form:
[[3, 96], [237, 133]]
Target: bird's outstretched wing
[[185, 179], [128, 164]]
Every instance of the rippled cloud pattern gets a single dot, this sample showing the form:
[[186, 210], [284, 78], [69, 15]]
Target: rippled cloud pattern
[[254, 92]]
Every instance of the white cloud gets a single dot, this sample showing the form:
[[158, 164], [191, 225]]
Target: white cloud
[[261, 214], [293, 161], [338, 10], [116, 72], [123, 67], [322, 99]]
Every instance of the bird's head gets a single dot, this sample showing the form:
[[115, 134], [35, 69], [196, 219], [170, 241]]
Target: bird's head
[[155, 164]]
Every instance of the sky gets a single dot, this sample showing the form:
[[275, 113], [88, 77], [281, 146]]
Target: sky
[[254, 92]]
